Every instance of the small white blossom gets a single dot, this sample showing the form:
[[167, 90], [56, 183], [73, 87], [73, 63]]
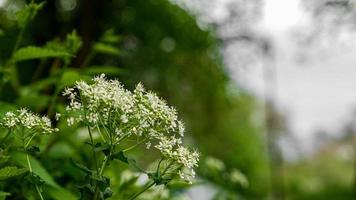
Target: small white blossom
[[121, 113], [57, 116], [70, 121], [24, 118]]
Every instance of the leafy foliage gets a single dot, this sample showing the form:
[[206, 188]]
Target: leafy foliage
[[33, 52], [187, 73], [11, 171]]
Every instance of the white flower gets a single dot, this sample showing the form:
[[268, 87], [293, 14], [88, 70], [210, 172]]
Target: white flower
[[57, 116], [23, 118], [121, 113]]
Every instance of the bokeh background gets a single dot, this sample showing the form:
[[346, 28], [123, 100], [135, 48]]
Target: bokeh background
[[266, 87]]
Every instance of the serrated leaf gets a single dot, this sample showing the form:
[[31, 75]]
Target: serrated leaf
[[106, 49], [33, 52], [73, 42], [11, 171], [27, 13]]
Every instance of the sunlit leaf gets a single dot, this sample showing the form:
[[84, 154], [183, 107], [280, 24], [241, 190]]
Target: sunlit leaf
[[106, 49], [32, 52]]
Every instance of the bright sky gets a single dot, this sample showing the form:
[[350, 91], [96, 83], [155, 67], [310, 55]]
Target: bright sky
[[318, 94], [281, 14]]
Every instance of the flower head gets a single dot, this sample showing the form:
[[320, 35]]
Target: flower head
[[122, 114], [24, 118]]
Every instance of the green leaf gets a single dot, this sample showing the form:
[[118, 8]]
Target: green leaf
[[106, 49], [3, 159], [33, 149], [27, 13], [73, 42], [82, 167], [36, 167], [32, 52], [61, 194], [55, 191], [3, 195], [101, 147], [120, 156], [110, 37], [9, 172]]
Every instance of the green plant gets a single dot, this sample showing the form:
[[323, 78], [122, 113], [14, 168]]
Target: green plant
[[117, 121]]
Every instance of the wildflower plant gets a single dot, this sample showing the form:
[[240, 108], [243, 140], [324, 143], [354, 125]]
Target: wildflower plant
[[24, 126], [121, 116]]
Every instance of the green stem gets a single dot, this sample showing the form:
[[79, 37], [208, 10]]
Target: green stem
[[142, 191], [30, 168], [29, 163], [29, 141], [9, 64], [103, 165], [19, 38], [92, 146]]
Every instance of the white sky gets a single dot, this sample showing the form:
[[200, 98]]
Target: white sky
[[319, 94]]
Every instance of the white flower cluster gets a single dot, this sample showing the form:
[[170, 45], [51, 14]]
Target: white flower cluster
[[122, 113], [24, 118]]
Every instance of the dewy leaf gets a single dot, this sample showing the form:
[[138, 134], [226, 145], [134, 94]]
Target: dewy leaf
[[106, 49], [9, 172], [32, 52]]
